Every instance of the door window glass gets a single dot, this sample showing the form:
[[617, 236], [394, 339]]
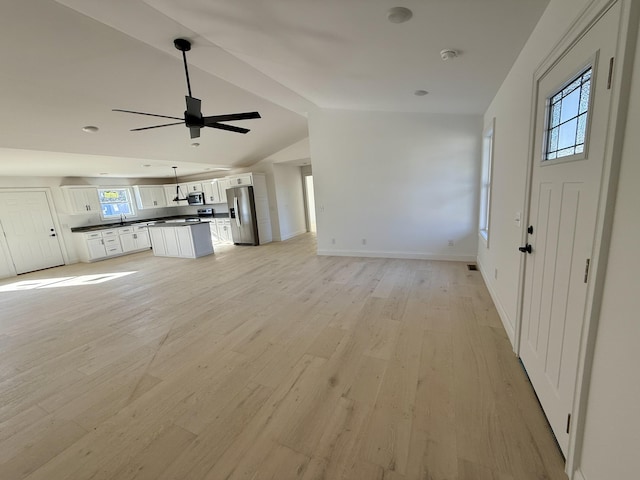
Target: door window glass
[[567, 118]]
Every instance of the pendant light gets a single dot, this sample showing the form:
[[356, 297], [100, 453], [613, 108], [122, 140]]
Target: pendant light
[[178, 191]]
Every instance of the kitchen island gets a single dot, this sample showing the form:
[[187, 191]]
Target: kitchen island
[[183, 240]]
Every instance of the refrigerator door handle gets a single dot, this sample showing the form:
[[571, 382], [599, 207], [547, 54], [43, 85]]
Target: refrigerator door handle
[[235, 205]]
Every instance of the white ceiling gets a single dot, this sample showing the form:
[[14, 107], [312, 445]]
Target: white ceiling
[[66, 64]]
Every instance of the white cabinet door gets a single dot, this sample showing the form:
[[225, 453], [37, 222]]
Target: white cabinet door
[[151, 196], [215, 236], [194, 187], [211, 191], [96, 248], [241, 180], [82, 200], [141, 236], [185, 241], [224, 230], [157, 241], [223, 184], [170, 194], [128, 242]]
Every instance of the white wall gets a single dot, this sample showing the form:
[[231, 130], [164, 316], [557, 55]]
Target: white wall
[[407, 183], [511, 108], [612, 428], [290, 201]]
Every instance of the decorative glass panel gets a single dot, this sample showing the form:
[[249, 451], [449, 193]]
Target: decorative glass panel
[[567, 118]]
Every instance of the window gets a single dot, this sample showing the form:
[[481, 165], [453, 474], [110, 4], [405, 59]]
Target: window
[[115, 202], [486, 176], [567, 118]]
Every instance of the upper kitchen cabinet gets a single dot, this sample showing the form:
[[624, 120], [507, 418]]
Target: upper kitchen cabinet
[[211, 192], [170, 194], [223, 184], [82, 200], [241, 179], [151, 196], [194, 187]]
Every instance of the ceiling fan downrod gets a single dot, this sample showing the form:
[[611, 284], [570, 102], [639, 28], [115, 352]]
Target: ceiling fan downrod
[[184, 46]]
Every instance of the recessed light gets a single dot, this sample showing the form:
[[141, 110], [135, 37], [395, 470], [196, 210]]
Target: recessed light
[[195, 144], [399, 15], [420, 93], [90, 129], [104, 174]]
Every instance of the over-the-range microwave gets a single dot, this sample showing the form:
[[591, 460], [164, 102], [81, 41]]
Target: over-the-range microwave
[[195, 198]]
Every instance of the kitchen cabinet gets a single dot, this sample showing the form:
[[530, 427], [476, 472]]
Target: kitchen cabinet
[[134, 238], [194, 187], [170, 194], [224, 230], [223, 184], [191, 240], [211, 189], [82, 200], [213, 228], [240, 179], [106, 243], [151, 196]]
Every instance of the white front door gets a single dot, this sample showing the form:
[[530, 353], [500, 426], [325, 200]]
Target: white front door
[[566, 177], [25, 218]]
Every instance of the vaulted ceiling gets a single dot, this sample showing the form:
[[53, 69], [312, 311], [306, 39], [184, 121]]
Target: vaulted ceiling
[[66, 64]]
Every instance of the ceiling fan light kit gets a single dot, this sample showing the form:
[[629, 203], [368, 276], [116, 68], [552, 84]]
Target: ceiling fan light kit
[[193, 118]]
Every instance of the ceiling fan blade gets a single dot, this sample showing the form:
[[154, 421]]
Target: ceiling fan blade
[[193, 106], [149, 114], [230, 128], [194, 132], [230, 117], [157, 126]]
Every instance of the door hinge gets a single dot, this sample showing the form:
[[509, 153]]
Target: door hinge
[[610, 77], [586, 270], [568, 422]]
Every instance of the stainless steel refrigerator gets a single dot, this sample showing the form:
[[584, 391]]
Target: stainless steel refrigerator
[[242, 212]]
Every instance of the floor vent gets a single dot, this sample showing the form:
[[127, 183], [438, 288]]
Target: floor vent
[[472, 267]]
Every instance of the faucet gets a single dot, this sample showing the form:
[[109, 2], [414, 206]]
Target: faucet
[[122, 218]]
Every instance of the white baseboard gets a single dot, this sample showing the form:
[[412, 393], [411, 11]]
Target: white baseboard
[[407, 255], [511, 333], [578, 475], [291, 235]]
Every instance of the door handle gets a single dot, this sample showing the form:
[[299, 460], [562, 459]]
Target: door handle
[[235, 204], [526, 248], [52, 235]]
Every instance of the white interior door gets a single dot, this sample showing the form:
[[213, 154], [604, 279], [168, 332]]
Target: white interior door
[[30, 233], [564, 200]]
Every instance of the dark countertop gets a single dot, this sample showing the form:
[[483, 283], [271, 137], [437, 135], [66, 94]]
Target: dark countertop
[[106, 226]]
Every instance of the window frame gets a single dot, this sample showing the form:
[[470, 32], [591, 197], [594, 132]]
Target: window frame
[[130, 201], [486, 182], [590, 63]]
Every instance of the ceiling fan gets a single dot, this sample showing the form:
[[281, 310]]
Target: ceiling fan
[[193, 118]]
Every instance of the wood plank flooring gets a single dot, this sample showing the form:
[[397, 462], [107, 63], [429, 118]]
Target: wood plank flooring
[[264, 363]]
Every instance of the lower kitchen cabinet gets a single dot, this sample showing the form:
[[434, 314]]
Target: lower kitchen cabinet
[[224, 230], [181, 240], [107, 243]]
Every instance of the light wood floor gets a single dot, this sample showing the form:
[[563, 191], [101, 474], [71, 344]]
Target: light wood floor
[[265, 363]]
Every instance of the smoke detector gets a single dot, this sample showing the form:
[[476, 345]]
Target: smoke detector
[[448, 54]]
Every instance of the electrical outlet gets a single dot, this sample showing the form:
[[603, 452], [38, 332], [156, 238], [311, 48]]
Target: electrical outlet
[[495, 274], [450, 243], [364, 241]]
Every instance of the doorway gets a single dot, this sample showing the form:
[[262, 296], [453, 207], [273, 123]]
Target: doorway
[[571, 126], [27, 222]]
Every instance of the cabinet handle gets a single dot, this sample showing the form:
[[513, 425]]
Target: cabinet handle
[[135, 235]]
